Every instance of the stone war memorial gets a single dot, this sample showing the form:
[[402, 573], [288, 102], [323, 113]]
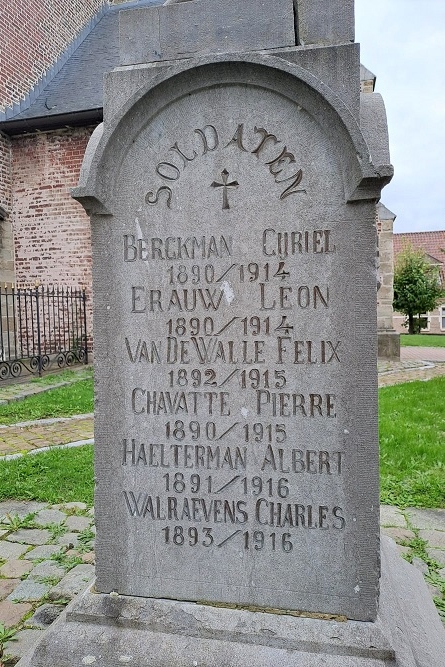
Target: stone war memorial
[[232, 190]]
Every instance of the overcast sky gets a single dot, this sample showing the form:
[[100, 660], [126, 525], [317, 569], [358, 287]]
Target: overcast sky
[[403, 44]]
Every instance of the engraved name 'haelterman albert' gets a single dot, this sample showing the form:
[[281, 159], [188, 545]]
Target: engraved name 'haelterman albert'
[[281, 166]]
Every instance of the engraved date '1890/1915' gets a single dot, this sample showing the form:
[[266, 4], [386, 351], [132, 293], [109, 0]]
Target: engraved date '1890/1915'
[[281, 165]]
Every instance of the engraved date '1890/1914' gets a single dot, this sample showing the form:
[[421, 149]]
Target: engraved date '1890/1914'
[[281, 165]]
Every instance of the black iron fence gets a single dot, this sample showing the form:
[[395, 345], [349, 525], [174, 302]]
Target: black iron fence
[[41, 329]]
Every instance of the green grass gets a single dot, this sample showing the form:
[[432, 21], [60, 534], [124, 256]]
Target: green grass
[[61, 402], [57, 476], [81, 373], [412, 444], [422, 340]]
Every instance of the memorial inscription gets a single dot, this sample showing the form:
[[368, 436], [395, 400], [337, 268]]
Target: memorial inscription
[[233, 461], [194, 393]]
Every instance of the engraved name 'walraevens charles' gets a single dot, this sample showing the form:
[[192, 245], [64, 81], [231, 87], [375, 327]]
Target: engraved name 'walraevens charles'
[[209, 495]]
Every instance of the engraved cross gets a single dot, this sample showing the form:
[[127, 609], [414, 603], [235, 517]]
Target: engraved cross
[[225, 185]]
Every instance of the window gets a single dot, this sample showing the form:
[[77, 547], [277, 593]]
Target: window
[[442, 318], [424, 322]]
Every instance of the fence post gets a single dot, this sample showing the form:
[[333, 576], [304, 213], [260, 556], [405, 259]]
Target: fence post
[[39, 343], [84, 301]]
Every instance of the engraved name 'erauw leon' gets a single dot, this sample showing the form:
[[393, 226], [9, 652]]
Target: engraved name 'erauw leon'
[[281, 166]]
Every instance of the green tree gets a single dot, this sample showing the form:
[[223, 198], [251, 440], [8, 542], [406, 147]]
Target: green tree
[[417, 286]]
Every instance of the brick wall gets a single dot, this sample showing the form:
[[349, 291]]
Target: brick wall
[[33, 34], [51, 229], [5, 173], [6, 239]]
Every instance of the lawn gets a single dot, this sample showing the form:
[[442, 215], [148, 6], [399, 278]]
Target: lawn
[[412, 444], [412, 447], [57, 476], [422, 340], [74, 399]]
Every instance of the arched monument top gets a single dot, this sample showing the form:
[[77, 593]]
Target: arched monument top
[[362, 178]]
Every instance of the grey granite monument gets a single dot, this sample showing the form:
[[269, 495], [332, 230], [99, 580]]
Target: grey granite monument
[[232, 191]]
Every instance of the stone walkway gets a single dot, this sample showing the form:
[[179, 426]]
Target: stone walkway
[[46, 552], [28, 436], [46, 558]]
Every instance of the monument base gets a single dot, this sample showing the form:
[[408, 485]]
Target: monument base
[[111, 631], [388, 345]]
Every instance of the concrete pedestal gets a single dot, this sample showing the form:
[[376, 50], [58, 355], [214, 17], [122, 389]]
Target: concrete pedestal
[[110, 631], [388, 345]]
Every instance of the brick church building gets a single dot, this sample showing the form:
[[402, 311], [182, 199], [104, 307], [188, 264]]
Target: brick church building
[[53, 56]]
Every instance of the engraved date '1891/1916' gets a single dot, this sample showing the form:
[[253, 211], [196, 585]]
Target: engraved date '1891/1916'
[[281, 166]]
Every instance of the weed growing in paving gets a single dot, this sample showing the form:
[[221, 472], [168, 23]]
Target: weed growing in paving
[[6, 634], [15, 522], [418, 549], [86, 536], [56, 530], [68, 562]]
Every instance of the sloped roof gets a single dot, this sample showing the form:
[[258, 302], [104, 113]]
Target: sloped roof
[[366, 74], [384, 213], [74, 96], [432, 243]]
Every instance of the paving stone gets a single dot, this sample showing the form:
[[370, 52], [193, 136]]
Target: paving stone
[[29, 591], [72, 552], [44, 551], [3, 532], [398, 534], [48, 568], [91, 511], [9, 550], [77, 523], [427, 519], [15, 568], [420, 565], [7, 586], [25, 640], [89, 557], [68, 540], [441, 573], [45, 517], [30, 536], [392, 516], [45, 615], [12, 613], [435, 538], [437, 555], [73, 583], [19, 508]]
